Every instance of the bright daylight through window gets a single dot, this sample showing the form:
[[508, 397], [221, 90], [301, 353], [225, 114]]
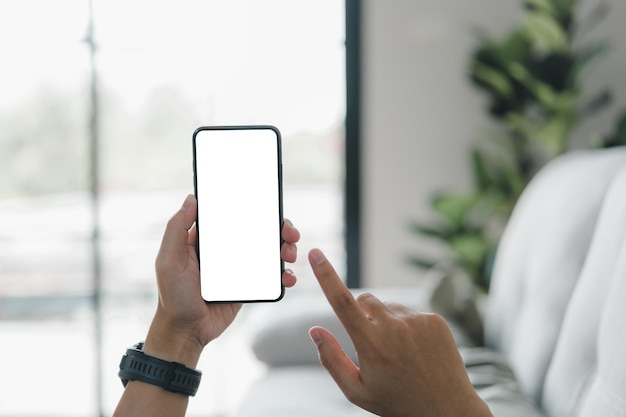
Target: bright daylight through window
[[98, 102]]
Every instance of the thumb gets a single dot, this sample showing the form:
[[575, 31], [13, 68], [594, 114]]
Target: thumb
[[176, 235], [340, 367], [177, 228]]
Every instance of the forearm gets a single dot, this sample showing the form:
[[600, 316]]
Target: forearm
[[143, 399]]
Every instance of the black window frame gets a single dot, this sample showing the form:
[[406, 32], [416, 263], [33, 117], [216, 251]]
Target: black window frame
[[352, 211]]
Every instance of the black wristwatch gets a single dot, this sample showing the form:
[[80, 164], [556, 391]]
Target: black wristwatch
[[171, 376]]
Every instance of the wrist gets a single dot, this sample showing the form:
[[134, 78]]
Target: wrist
[[473, 406], [169, 342], [447, 402], [170, 376]]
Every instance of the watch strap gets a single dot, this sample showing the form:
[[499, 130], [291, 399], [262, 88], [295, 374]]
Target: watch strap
[[171, 376]]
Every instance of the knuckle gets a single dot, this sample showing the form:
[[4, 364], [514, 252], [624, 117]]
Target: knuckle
[[434, 323], [437, 320], [365, 297], [399, 309], [368, 299]]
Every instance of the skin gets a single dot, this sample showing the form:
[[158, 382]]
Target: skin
[[409, 364], [183, 323]]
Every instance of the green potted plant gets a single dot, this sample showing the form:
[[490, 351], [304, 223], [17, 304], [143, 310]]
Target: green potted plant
[[533, 79]]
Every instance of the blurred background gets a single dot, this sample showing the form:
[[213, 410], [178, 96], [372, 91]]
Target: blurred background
[[98, 102]]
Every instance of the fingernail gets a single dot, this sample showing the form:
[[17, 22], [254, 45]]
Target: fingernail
[[186, 203], [316, 337], [317, 256]]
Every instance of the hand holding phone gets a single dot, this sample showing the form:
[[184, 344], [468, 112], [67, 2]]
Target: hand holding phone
[[238, 185]]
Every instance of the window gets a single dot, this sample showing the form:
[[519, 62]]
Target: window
[[79, 230]]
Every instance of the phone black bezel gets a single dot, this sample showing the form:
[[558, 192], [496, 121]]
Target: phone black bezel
[[280, 200]]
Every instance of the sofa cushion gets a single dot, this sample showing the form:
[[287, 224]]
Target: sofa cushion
[[540, 258], [280, 332], [302, 391], [587, 376], [308, 391]]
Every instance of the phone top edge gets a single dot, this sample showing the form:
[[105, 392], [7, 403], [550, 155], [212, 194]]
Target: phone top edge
[[238, 127]]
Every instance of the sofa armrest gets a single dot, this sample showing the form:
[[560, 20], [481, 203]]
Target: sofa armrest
[[495, 382]]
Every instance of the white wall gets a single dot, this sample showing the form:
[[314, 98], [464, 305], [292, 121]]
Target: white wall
[[420, 113]]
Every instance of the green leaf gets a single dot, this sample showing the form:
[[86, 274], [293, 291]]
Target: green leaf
[[516, 123], [505, 178], [421, 262], [541, 91], [553, 135], [564, 105], [454, 207], [431, 231], [492, 78], [471, 249], [513, 184], [545, 6], [545, 33], [515, 47], [553, 69], [482, 179], [564, 7]]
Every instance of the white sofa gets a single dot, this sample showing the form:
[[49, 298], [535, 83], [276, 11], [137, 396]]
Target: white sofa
[[554, 322]]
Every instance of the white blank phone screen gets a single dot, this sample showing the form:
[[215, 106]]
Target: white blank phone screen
[[239, 214]]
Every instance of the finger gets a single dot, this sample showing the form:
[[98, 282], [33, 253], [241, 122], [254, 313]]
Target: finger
[[289, 279], [289, 233], [400, 310], [338, 295], [191, 238], [176, 235], [371, 305], [340, 367], [289, 252]]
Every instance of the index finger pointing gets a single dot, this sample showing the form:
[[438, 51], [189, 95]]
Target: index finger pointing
[[339, 296]]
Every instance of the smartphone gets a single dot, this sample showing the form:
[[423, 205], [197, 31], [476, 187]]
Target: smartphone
[[238, 186]]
